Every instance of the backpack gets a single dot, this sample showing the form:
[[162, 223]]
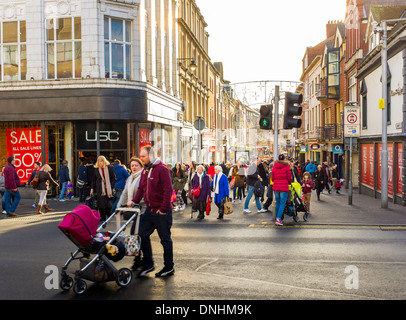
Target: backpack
[[259, 189]]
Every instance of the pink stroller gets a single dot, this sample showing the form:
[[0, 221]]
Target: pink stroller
[[81, 227]]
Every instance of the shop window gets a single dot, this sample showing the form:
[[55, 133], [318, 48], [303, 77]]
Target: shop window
[[64, 48], [13, 63], [117, 48]]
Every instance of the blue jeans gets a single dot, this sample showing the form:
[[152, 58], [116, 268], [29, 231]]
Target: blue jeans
[[11, 206], [118, 195], [162, 223], [249, 196], [280, 198], [63, 190]]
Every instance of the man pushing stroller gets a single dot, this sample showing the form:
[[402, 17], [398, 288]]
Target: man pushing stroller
[[156, 189]]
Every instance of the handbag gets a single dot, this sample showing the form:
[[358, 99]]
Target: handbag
[[132, 244], [80, 183], [196, 192], [228, 206], [35, 181]]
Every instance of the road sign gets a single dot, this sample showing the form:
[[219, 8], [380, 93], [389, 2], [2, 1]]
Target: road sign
[[352, 124], [199, 124]]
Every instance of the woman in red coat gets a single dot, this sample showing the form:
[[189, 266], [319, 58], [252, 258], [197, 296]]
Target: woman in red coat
[[282, 178]]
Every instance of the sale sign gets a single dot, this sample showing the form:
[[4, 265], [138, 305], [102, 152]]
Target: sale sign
[[24, 144], [400, 168], [144, 136], [367, 165]]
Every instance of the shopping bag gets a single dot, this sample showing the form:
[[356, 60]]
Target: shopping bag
[[174, 198], [208, 206], [69, 189], [228, 206]]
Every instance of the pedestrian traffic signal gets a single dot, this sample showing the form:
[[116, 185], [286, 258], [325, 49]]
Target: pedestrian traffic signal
[[265, 122], [292, 109]]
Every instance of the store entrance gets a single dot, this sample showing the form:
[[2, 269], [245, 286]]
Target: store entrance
[[91, 157]]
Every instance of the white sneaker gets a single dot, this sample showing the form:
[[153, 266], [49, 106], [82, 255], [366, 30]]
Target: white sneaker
[[4, 212], [62, 200], [239, 201], [183, 207], [177, 209], [247, 211], [233, 201], [262, 211]]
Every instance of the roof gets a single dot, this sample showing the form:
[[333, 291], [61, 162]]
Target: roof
[[380, 13]]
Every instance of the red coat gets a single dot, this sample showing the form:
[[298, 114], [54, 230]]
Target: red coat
[[211, 171], [281, 176]]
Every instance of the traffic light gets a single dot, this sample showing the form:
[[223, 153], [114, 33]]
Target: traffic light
[[265, 122], [292, 109]]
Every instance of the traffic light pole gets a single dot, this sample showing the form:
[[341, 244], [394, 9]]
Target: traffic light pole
[[276, 126], [275, 141]]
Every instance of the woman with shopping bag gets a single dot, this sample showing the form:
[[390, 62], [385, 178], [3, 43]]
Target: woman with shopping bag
[[220, 190], [201, 181]]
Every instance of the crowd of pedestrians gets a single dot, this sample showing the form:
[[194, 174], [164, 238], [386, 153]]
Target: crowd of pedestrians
[[163, 189]]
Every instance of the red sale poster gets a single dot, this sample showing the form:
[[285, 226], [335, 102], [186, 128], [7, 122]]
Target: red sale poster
[[390, 168], [24, 144], [144, 136], [367, 165], [400, 168]]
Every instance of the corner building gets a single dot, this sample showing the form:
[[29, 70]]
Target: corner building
[[80, 78]]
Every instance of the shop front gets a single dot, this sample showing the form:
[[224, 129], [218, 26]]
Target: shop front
[[49, 126], [371, 170]]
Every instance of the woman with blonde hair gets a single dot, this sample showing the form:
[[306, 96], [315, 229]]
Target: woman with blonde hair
[[44, 177], [103, 185]]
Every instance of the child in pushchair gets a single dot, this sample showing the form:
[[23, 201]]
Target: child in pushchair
[[294, 204], [81, 227]]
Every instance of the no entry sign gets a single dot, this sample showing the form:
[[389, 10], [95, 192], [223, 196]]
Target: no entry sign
[[352, 121]]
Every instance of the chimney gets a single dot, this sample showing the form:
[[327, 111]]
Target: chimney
[[331, 28]]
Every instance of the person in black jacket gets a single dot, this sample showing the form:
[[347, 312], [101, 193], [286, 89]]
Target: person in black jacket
[[103, 184], [319, 180]]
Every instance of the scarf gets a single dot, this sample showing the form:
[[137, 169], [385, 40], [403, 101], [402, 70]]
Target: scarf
[[200, 177], [105, 182], [217, 182], [133, 183]]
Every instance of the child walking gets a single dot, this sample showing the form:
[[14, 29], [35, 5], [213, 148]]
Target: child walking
[[307, 186]]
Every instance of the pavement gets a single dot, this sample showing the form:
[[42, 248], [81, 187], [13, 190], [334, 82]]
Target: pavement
[[332, 210]]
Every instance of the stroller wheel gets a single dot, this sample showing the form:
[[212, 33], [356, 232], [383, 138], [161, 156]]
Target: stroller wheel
[[305, 217], [296, 218], [66, 283], [124, 277], [80, 286]]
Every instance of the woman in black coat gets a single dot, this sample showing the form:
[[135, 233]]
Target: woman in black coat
[[103, 184], [319, 181]]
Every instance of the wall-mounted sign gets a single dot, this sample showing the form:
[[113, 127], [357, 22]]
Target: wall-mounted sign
[[315, 147], [112, 136], [24, 144], [338, 149]]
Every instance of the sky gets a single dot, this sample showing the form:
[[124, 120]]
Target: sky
[[266, 39]]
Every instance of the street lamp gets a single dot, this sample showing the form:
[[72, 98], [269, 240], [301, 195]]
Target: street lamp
[[384, 60], [192, 65]]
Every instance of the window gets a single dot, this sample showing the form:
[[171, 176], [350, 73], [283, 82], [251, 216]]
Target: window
[[64, 48], [352, 88], [333, 74], [117, 48], [13, 56]]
